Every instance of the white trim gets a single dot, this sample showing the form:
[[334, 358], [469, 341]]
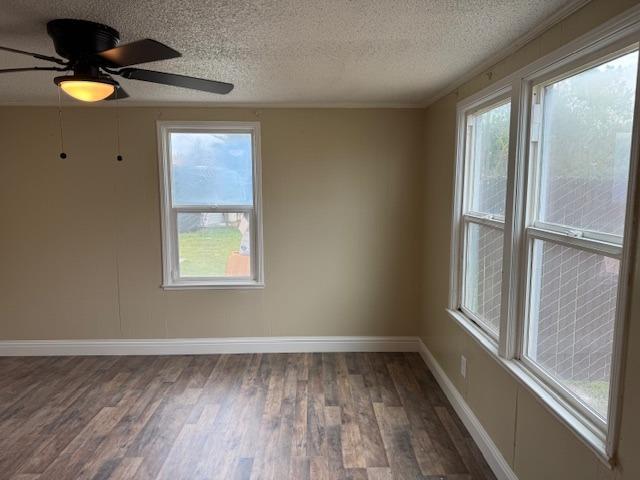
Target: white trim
[[204, 346], [608, 33], [569, 400], [514, 206], [513, 47], [168, 212], [486, 220], [473, 329], [579, 243], [490, 451], [206, 285], [462, 215], [627, 273]]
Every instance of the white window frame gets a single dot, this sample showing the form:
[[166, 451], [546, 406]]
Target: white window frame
[[468, 216], [520, 230], [170, 255]]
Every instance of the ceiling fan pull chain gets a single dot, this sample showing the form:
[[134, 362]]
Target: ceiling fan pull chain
[[63, 155], [118, 155]]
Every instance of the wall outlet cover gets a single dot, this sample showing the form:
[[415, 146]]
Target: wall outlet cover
[[463, 366]]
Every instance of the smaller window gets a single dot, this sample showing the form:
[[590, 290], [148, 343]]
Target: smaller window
[[482, 226], [210, 181]]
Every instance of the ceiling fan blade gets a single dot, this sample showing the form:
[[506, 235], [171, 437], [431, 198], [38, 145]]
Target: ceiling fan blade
[[118, 94], [175, 80], [141, 51], [29, 69], [35, 55]]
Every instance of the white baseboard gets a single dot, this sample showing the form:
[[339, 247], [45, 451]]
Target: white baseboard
[[492, 455], [202, 346]]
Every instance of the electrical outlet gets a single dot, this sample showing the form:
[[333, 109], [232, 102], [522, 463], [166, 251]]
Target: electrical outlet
[[463, 366]]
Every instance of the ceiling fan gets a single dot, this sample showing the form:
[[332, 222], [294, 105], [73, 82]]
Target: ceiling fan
[[93, 56]]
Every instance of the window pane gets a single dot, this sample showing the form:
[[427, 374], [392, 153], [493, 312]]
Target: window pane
[[214, 244], [489, 146], [586, 144], [483, 274], [211, 168], [572, 314]]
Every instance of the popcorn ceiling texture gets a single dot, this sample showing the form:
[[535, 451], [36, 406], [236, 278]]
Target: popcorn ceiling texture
[[381, 52]]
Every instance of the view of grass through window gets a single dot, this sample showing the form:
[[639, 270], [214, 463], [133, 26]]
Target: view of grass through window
[[213, 245], [205, 252]]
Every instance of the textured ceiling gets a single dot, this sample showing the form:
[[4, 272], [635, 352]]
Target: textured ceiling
[[355, 52]]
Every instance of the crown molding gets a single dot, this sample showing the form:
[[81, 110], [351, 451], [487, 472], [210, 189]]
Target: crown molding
[[513, 47]]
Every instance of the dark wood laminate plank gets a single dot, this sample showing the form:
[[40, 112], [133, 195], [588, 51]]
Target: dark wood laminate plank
[[219, 452], [460, 440], [373, 452], [435, 451], [299, 436], [316, 441], [329, 379], [395, 428], [333, 424], [379, 473], [70, 408], [369, 376], [350, 438], [301, 416], [388, 394], [300, 468], [287, 418], [126, 469], [318, 468], [263, 464]]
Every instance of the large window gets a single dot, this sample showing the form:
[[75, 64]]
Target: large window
[[211, 204], [580, 151], [540, 227]]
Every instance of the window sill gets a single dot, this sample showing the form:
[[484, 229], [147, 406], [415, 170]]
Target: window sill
[[213, 286], [581, 426]]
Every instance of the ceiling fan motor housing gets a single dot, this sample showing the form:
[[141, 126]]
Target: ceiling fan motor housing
[[78, 40]]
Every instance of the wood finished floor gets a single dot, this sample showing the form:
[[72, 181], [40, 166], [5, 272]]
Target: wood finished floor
[[376, 416]]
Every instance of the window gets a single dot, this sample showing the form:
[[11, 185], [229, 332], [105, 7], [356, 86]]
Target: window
[[540, 230], [486, 152], [212, 232], [580, 151]]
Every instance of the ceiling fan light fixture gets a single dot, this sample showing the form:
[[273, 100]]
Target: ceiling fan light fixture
[[87, 89], [92, 52]]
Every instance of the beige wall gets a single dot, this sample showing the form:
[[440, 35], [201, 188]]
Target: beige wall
[[81, 247], [535, 444]]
